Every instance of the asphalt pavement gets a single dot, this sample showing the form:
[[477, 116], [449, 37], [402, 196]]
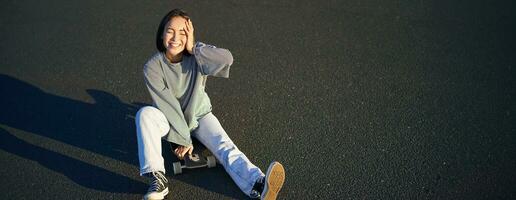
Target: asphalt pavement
[[357, 99]]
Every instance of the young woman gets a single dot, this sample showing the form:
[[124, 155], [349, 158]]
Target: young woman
[[175, 77]]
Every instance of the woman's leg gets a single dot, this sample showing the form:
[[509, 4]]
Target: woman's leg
[[151, 126], [212, 135]]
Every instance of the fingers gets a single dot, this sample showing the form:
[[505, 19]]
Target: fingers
[[176, 152], [190, 150], [181, 151], [189, 30], [186, 150], [188, 23], [188, 26]]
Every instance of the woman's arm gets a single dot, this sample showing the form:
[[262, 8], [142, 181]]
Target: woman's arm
[[212, 60]]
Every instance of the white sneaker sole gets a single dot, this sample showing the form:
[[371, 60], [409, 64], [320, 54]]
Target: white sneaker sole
[[156, 196], [273, 181]]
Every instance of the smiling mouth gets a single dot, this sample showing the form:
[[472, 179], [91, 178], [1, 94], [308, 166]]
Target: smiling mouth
[[174, 44]]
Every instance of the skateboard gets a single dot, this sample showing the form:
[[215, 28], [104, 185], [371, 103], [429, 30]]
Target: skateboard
[[196, 160]]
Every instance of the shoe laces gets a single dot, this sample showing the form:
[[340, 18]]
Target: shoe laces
[[158, 181], [258, 188]]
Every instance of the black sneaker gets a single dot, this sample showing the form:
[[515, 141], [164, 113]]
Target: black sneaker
[[267, 188], [258, 188], [158, 188]]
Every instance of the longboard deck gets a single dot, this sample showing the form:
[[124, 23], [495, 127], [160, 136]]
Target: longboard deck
[[195, 160]]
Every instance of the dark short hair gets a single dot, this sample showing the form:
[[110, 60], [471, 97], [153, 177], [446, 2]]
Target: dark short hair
[[173, 13]]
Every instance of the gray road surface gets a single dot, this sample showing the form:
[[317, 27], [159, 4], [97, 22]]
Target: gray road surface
[[358, 99]]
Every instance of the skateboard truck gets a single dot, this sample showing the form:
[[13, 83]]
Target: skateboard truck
[[194, 161]]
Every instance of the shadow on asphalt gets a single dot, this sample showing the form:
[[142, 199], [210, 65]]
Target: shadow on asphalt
[[105, 127], [82, 173]]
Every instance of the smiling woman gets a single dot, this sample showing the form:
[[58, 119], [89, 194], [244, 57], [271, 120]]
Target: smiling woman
[[176, 77], [175, 34]]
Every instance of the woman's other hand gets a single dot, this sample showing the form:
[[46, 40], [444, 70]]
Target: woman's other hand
[[181, 151], [190, 41]]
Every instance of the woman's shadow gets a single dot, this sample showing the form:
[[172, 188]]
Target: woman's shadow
[[104, 127]]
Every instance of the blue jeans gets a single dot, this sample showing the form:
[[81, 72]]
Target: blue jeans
[[152, 126]]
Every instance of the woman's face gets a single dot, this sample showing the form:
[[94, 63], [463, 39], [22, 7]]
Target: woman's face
[[174, 36]]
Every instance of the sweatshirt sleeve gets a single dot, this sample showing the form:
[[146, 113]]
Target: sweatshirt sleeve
[[213, 61], [168, 104]]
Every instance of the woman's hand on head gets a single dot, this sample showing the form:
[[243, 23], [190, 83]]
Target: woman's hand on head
[[190, 41], [181, 151]]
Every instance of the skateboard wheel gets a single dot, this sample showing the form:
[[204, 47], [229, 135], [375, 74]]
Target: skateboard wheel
[[177, 168], [211, 161]]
